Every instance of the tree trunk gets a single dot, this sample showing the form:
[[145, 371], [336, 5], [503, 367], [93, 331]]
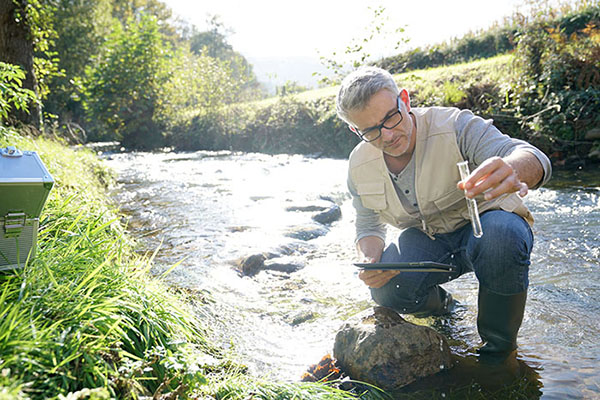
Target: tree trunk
[[16, 47]]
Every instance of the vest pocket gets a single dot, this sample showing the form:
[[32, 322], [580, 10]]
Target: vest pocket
[[372, 195], [450, 199]]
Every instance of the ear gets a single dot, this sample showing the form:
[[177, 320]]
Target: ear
[[405, 98]]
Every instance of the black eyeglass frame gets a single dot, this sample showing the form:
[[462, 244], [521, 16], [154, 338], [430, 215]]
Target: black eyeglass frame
[[361, 135]]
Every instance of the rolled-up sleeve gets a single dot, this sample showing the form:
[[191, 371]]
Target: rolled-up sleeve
[[479, 139], [368, 222]]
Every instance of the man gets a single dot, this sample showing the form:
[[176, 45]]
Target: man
[[404, 174]]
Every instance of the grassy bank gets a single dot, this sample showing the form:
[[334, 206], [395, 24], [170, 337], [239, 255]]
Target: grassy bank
[[561, 123], [307, 123], [85, 318]]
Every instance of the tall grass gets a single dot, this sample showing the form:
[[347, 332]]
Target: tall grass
[[85, 313]]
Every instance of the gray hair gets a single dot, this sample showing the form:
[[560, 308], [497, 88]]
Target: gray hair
[[358, 88]]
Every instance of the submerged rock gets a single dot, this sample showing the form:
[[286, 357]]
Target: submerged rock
[[379, 347], [302, 317], [307, 208], [251, 265], [307, 232], [328, 216], [283, 265]]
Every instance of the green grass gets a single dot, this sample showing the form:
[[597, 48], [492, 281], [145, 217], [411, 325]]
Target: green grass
[[85, 313]]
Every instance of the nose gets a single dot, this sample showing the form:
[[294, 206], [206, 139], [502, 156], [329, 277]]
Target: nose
[[387, 134]]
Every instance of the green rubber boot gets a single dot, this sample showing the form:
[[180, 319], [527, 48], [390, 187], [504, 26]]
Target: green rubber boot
[[498, 321]]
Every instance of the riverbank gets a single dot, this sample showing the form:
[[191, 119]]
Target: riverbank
[[87, 315], [307, 123]]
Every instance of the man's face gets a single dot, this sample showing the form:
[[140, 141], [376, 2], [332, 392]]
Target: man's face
[[380, 109]]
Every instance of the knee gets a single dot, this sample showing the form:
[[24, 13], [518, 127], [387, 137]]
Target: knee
[[501, 256], [506, 236], [402, 298]]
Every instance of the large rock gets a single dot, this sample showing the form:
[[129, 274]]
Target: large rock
[[379, 347]]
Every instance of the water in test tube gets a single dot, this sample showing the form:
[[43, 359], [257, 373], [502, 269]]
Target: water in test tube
[[463, 168]]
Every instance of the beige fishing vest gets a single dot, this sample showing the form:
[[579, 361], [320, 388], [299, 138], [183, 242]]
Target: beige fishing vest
[[442, 207]]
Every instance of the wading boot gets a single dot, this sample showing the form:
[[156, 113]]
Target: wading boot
[[498, 321], [438, 302]]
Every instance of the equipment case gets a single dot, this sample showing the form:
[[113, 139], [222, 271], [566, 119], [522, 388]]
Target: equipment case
[[24, 187]]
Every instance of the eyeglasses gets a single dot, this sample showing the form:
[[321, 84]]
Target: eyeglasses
[[390, 122]]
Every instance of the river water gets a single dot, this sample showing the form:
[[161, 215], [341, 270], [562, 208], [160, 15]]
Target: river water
[[207, 210]]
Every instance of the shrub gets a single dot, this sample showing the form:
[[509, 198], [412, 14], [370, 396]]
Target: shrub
[[557, 90]]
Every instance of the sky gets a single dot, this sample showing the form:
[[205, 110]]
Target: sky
[[288, 35]]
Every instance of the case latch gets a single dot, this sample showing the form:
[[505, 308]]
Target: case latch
[[11, 151], [14, 224]]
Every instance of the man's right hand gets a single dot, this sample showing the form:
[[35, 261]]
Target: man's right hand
[[370, 248]]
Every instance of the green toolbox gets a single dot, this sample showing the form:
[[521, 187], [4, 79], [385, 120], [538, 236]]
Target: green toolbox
[[24, 187]]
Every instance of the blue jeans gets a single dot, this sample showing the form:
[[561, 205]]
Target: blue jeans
[[500, 260]]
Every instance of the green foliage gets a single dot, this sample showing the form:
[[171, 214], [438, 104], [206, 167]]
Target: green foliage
[[213, 43], [287, 125], [498, 39], [12, 94], [452, 94], [210, 129], [81, 27], [85, 319], [123, 88], [240, 387], [307, 123], [557, 86], [290, 87], [197, 82], [37, 15], [140, 88]]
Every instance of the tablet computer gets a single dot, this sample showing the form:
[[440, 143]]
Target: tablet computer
[[420, 266]]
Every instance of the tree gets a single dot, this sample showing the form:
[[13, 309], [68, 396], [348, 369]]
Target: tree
[[81, 28], [213, 43], [124, 86], [125, 10], [17, 48]]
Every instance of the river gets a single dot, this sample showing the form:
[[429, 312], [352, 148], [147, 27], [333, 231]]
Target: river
[[208, 209]]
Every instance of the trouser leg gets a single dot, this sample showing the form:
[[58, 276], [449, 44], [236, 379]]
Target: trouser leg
[[501, 262]]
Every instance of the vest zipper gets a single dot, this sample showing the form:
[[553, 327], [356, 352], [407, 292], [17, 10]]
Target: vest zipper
[[426, 229]]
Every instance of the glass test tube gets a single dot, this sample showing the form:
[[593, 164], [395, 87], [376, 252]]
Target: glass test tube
[[463, 168]]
